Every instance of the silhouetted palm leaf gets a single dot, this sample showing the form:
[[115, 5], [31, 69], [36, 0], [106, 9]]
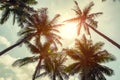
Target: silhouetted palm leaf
[[24, 61]]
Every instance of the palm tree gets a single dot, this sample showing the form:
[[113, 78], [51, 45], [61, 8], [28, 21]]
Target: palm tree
[[42, 54], [19, 9], [36, 28], [40, 27], [85, 16], [49, 60], [55, 67], [88, 59], [87, 21]]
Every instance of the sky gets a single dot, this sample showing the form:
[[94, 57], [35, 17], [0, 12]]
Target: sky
[[109, 24]]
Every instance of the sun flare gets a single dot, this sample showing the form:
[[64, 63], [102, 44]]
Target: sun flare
[[68, 30]]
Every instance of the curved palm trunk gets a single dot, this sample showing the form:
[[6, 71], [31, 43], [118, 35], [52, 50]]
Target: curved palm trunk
[[104, 36], [11, 47], [15, 45], [37, 68]]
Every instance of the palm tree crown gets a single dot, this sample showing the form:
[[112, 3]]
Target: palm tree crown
[[88, 58], [19, 9], [87, 20], [84, 17], [40, 26]]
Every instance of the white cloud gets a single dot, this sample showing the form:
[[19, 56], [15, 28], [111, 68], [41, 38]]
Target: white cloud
[[6, 78], [4, 41], [17, 73]]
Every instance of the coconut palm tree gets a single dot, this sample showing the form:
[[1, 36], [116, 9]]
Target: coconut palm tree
[[42, 54], [88, 59], [55, 68], [40, 27], [85, 17], [86, 20], [19, 9], [49, 60], [36, 28]]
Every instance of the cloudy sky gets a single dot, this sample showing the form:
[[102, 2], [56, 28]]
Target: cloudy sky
[[109, 24]]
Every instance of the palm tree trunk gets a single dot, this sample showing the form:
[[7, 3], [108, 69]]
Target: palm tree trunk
[[104, 36], [37, 68], [15, 45], [61, 78], [54, 76], [11, 47]]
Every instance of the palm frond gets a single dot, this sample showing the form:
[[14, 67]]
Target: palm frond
[[77, 9], [79, 28], [5, 15], [76, 19], [106, 70], [98, 46], [92, 23], [30, 2], [88, 8], [14, 16], [103, 56], [87, 30], [32, 48], [25, 30], [54, 19], [56, 25], [94, 15], [24, 61], [74, 54], [73, 68]]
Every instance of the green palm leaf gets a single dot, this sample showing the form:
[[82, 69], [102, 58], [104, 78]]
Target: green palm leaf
[[24, 61]]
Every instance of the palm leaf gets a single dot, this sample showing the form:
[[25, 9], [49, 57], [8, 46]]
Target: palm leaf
[[94, 15], [56, 25], [98, 46], [103, 56], [25, 31], [14, 16], [73, 68], [32, 48], [24, 61], [54, 19], [105, 70], [73, 19], [73, 54], [88, 8], [77, 9], [5, 15], [30, 2]]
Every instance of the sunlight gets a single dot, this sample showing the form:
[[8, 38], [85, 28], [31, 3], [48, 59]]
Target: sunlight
[[68, 31]]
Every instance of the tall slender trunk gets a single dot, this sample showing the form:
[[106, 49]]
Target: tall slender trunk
[[37, 68], [54, 76], [104, 36], [11, 47], [15, 45]]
